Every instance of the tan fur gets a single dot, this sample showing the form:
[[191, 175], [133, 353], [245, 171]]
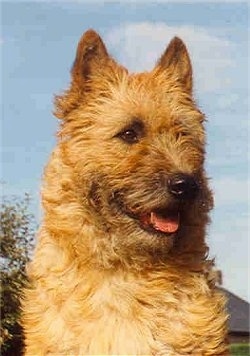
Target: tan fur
[[100, 284]]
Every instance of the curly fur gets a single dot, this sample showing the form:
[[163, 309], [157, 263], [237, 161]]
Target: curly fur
[[101, 284]]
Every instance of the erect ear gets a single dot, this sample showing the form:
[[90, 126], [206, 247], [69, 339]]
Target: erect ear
[[91, 53], [176, 58], [91, 59]]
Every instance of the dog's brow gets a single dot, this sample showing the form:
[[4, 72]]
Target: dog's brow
[[137, 125]]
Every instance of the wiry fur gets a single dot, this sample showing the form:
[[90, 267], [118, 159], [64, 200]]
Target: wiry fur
[[100, 284]]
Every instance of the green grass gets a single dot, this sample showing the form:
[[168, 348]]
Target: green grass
[[240, 350]]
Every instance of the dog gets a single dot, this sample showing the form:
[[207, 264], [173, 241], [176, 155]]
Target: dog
[[121, 264]]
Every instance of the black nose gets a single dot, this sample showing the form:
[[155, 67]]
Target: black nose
[[183, 186]]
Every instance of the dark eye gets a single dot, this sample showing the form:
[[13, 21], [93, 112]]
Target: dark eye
[[132, 133], [129, 136]]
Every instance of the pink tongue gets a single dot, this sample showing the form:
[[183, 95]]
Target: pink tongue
[[165, 224]]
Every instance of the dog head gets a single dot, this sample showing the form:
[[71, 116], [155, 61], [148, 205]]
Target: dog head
[[135, 143]]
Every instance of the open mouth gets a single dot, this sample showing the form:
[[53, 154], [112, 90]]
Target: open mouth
[[162, 221]]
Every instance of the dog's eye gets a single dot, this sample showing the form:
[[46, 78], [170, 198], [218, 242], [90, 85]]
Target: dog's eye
[[132, 133], [129, 136]]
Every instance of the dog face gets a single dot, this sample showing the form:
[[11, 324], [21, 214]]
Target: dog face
[[136, 145]]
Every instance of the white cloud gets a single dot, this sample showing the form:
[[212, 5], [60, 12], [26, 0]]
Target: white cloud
[[231, 251], [228, 101], [139, 45], [228, 234], [230, 190]]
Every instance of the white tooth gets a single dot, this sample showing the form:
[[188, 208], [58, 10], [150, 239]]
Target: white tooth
[[152, 220]]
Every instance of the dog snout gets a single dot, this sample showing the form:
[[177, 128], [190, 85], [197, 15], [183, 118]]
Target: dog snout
[[182, 186]]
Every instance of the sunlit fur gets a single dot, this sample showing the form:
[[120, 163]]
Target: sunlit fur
[[99, 283]]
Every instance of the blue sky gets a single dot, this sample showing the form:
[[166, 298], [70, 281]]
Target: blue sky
[[38, 43]]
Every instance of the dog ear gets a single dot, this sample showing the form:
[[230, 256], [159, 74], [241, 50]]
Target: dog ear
[[176, 58], [91, 54], [92, 59]]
